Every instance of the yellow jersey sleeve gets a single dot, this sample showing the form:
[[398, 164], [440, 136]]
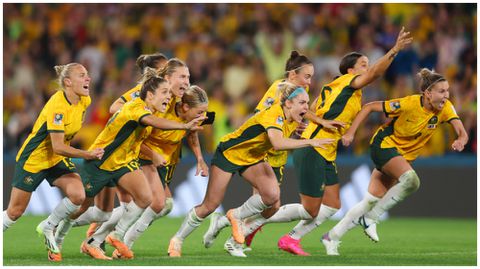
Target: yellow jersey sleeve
[[269, 98], [55, 115], [273, 118], [393, 108], [132, 93], [449, 112]]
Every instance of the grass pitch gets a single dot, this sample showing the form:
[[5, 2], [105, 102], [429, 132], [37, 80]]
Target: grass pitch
[[403, 241]]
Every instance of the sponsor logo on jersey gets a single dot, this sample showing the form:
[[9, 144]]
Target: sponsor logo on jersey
[[58, 119]]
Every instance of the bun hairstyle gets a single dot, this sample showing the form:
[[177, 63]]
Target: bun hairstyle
[[150, 60], [428, 78], [349, 61], [194, 96], [171, 66], [151, 81], [63, 71], [296, 62], [286, 91]]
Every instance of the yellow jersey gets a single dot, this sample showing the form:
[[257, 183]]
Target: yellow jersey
[[337, 101], [249, 144], [276, 158], [167, 143], [131, 94], [58, 115], [412, 125], [122, 136]]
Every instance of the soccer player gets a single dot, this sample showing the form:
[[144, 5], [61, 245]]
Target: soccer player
[[121, 138], [393, 147], [46, 154], [159, 156], [106, 197], [244, 151], [167, 145], [298, 71], [339, 100]]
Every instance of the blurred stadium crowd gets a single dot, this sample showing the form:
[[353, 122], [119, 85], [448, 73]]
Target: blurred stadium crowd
[[234, 52]]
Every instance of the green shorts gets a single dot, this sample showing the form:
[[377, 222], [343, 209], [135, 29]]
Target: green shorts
[[279, 173], [29, 182], [165, 172], [381, 156], [221, 162], [95, 179], [313, 171]]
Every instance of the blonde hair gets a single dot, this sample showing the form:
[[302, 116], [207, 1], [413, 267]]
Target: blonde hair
[[63, 71], [285, 90], [194, 96], [428, 78], [151, 81], [171, 66]]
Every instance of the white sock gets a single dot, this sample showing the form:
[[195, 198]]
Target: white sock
[[306, 226], [223, 222], [349, 221], [166, 209], [61, 211], [139, 227], [93, 214], [129, 217], [7, 222], [393, 196], [252, 206], [290, 212], [253, 222], [109, 225], [62, 230], [190, 223]]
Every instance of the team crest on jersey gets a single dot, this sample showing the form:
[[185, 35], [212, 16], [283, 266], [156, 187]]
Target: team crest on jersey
[[28, 180], [394, 106], [269, 102], [432, 123], [135, 94], [58, 119], [279, 120]]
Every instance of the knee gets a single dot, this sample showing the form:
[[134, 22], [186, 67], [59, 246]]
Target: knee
[[271, 196], [157, 204], [15, 213], [312, 213], [144, 200], [410, 181], [77, 198]]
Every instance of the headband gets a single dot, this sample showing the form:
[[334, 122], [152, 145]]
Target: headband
[[296, 92], [435, 82]]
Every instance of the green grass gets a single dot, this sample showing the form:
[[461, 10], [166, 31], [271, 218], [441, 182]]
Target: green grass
[[405, 241]]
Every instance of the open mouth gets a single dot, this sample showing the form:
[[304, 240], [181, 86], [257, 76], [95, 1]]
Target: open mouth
[[302, 114], [164, 105], [85, 87]]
